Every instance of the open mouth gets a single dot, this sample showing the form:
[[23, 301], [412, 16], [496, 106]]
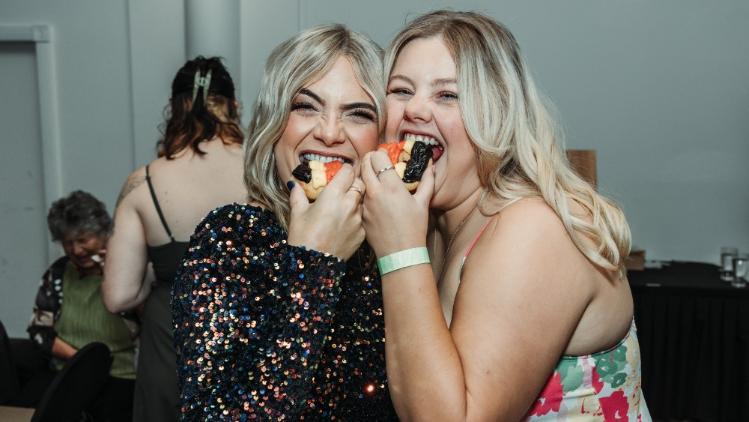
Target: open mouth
[[306, 157], [437, 149]]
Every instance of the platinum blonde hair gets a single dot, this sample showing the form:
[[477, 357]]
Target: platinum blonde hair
[[515, 137], [291, 66]]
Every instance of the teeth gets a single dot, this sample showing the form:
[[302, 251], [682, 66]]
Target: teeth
[[420, 138], [321, 158]]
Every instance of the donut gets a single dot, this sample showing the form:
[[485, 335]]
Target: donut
[[410, 159], [314, 175]]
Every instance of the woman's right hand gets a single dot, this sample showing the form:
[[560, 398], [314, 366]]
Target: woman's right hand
[[332, 224]]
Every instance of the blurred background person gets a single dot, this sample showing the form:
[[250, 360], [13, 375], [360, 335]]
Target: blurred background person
[[59, 328], [199, 167]]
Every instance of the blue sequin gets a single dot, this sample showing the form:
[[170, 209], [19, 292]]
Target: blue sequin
[[265, 330]]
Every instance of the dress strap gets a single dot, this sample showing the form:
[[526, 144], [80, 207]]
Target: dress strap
[[157, 206], [470, 248], [476, 239], [478, 235]]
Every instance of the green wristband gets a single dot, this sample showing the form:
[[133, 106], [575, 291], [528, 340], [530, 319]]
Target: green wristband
[[402, 259]]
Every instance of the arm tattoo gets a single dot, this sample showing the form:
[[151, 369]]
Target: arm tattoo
[[131, 183]]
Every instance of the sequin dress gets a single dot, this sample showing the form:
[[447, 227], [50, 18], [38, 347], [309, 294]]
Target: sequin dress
[[265, 330]]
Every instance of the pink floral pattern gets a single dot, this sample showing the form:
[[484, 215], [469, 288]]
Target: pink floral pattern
[[604, 386]]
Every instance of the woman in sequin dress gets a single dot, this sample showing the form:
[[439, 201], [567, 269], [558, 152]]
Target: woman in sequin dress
[[277, 306], [526, 312]]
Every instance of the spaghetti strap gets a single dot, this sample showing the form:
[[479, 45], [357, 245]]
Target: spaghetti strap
[[476, 240], [478, 236], [157, 206], [470, 248]]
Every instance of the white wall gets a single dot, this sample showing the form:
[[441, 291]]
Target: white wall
[[659, 89]]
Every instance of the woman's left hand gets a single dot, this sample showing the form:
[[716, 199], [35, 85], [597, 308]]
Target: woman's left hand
[[394, 219]]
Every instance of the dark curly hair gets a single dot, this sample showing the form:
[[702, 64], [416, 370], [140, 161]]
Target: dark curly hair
[[211, 114], [79, 212]]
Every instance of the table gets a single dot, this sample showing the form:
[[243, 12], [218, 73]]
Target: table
[[693, 330]]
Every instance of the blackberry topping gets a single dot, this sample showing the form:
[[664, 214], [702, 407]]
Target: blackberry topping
[[303, 173], [420, 155]]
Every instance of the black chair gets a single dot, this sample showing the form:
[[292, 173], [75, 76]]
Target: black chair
[[76, 386], [9, 386]]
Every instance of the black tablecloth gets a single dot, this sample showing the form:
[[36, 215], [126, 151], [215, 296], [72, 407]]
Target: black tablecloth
[[694, 337]]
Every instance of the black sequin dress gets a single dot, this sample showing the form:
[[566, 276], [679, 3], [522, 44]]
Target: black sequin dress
[[265, 330]]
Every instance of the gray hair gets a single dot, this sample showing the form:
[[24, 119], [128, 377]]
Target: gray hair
[[294, 63], [80, 212]]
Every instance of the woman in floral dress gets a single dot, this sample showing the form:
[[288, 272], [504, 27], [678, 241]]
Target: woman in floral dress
[[525, 311]]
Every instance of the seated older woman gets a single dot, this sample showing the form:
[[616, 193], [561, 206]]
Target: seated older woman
[[58, 328]]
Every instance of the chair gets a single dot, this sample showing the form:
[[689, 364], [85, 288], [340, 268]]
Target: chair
[[76, 386], [9, 386]]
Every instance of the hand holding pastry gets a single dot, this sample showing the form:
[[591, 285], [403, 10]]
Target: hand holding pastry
[[410, 159], [332, 223], [314, 175], [393, 218]]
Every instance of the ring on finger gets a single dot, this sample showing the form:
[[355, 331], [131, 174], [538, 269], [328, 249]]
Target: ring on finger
[[379, 172], [357, 190]]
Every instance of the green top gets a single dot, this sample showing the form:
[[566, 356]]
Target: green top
[[84, 319]]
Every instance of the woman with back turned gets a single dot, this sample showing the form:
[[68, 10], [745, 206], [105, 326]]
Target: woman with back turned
[[199, 168]]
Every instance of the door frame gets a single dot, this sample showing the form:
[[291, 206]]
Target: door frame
[[42, 37]]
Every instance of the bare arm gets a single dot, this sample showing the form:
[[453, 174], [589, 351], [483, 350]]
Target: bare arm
[[124, 285], [62, 350], [519, 301]]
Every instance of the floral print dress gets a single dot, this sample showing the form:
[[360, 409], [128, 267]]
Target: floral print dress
[[604, 386]]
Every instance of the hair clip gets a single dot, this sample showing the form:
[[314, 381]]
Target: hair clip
[[201, 82]]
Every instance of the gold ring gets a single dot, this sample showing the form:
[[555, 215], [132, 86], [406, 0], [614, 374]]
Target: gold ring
[[379, 172]]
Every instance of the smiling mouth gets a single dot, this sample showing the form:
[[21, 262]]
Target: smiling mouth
[[310, 156], [437, 149]]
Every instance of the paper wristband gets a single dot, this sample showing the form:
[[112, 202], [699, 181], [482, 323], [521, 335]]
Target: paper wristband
[[402, 259]]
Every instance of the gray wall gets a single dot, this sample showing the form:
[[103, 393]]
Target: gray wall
[[659, 89]]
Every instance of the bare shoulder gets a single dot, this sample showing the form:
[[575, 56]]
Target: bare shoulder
[[529, 219], [528, 241], [135, 180]]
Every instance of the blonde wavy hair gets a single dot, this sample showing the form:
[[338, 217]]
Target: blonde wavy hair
[[515, 137], [291, 66]]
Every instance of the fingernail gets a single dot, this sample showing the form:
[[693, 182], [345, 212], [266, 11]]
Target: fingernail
[[290, 184]]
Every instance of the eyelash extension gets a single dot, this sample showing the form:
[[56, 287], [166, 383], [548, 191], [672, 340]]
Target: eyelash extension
[[448, 94], [399, 91], [364, 114], [302, 105]]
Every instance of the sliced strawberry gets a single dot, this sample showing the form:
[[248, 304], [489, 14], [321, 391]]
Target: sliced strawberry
[[393, 150], [331, 169]]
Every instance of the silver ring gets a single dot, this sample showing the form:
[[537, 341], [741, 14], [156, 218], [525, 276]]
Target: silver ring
[[379, 172]]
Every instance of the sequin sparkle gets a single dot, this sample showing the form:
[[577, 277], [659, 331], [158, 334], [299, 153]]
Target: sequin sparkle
[[269, 331]]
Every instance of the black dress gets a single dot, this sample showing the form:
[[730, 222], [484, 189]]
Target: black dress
[[271, 331], [156, 379]]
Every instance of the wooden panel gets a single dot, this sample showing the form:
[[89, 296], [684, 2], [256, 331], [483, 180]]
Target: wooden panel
[[583, 161]]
